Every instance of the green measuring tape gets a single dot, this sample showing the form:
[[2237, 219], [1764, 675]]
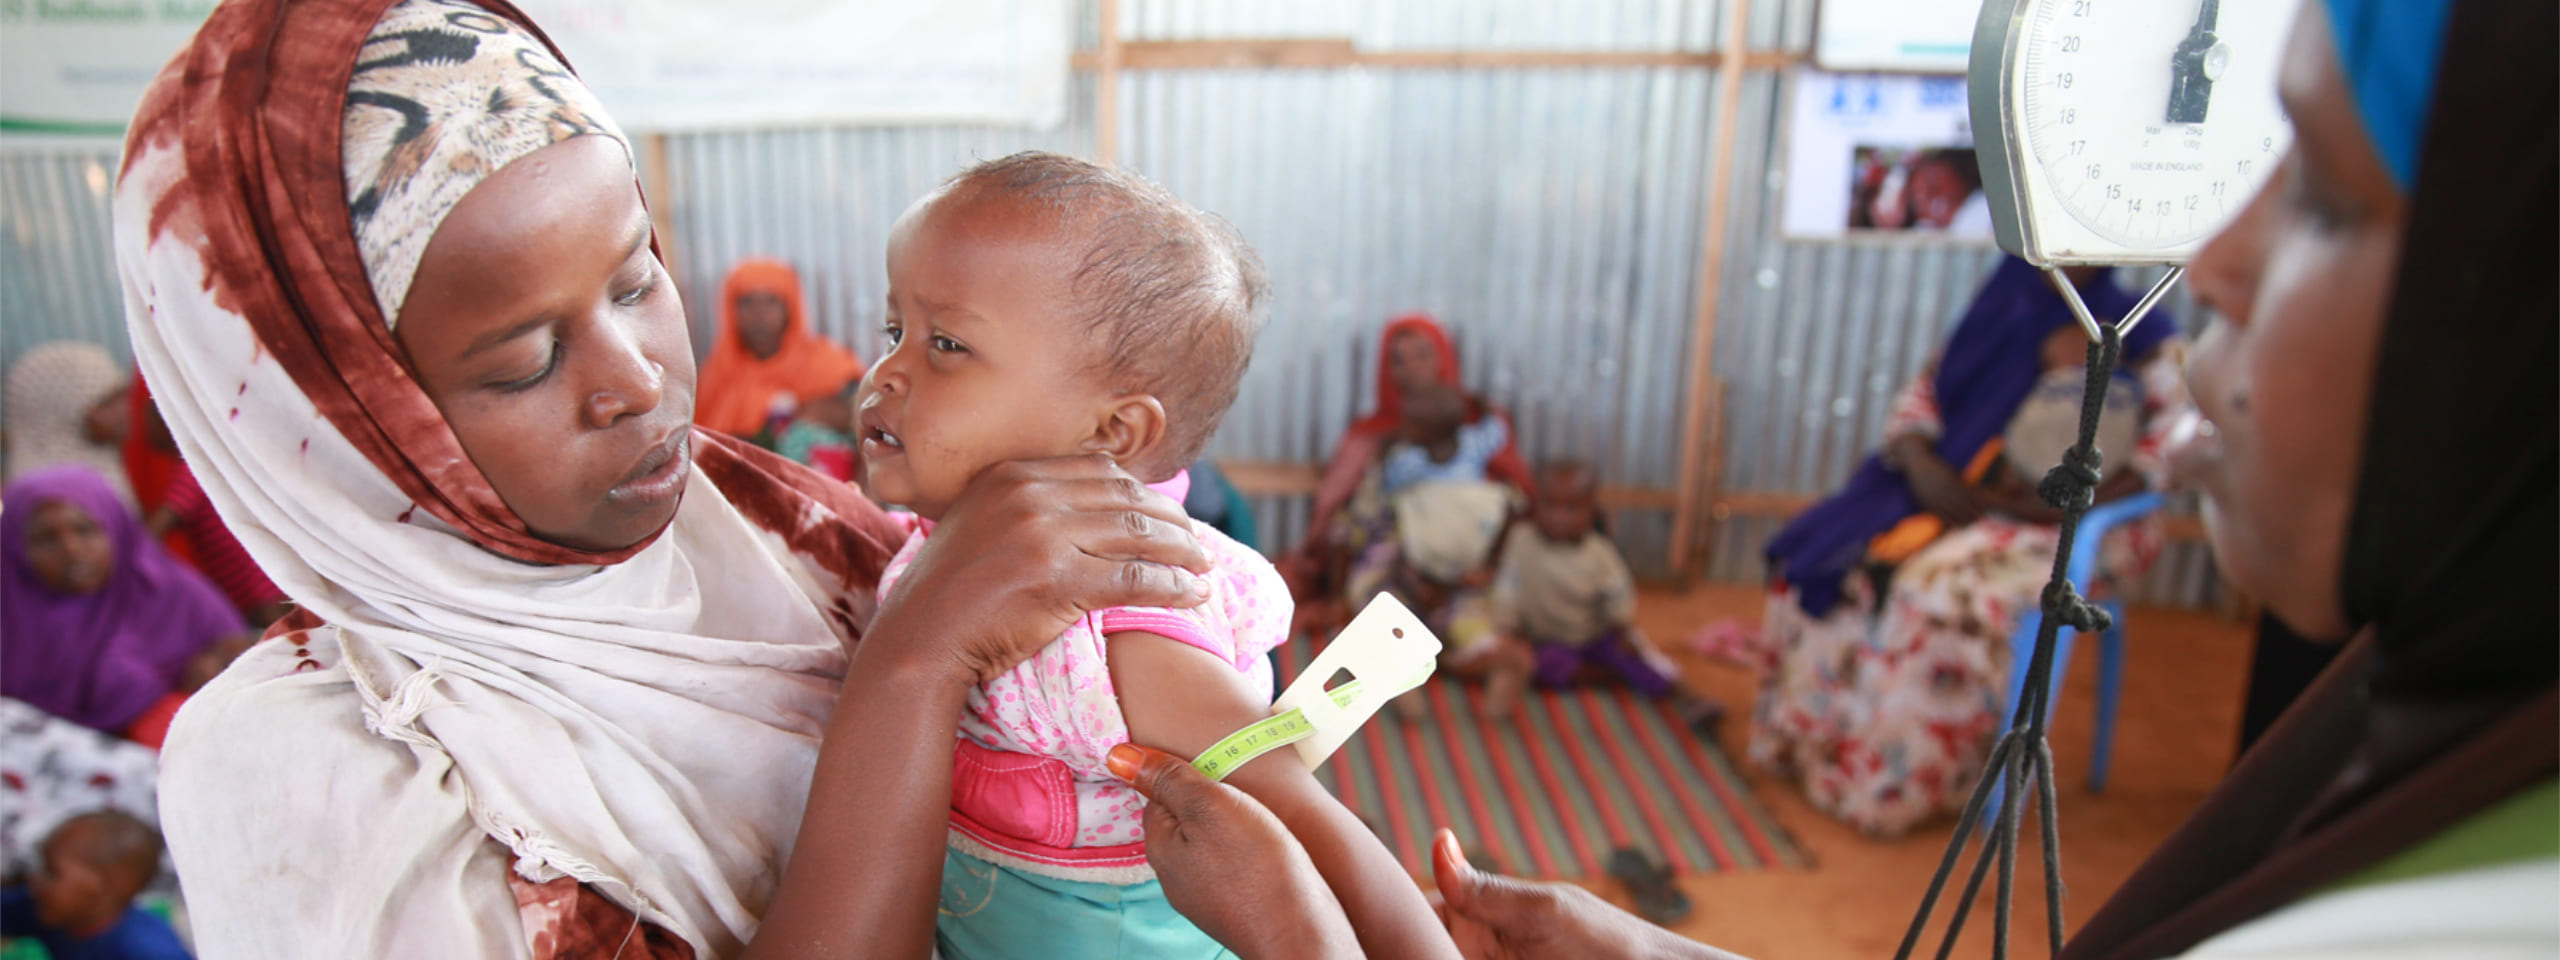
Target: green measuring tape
[[1242, 746]]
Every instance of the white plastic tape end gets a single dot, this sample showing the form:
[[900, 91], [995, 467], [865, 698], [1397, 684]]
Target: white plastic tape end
[[1386, 649]]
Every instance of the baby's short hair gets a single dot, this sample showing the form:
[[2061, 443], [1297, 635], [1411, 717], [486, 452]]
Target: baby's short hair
[[1174, 293], [1561, 477]]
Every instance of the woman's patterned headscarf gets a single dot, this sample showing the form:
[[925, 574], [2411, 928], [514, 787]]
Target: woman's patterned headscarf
[[444, 95]]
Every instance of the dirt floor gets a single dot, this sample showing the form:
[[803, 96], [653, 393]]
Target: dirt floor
[[2184, 674]]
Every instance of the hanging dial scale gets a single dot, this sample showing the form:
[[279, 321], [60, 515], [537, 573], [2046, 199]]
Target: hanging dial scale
[[2127, 131]]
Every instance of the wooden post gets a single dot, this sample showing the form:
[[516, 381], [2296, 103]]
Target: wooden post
[[657, 184], [1702, 462], [1106, 89]]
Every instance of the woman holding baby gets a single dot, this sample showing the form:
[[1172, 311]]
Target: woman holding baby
[[571, 677]]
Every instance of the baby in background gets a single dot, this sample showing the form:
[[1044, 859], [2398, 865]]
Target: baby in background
[[1562, 588], [1438, 444], [1449, 514], [79, 904], [1041, 306], [821, 434]]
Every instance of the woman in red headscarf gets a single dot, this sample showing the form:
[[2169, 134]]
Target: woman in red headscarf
[[1414, 350], [765, 359]]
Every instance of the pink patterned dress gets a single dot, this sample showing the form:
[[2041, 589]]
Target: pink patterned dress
[[1029, 787]]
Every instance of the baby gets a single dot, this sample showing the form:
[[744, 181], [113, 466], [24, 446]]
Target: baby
[[821, 435], [1439, 445], [80, 902], [1041, 306], [1448, 517]]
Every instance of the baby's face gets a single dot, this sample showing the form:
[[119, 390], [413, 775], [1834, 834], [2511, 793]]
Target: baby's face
[[985, 363], [2066, 348], [72, 892]]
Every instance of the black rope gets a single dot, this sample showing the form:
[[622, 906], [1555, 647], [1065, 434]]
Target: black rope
[[2021, 756]]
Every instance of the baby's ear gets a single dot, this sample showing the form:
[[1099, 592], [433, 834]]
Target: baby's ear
[[1131, 427]]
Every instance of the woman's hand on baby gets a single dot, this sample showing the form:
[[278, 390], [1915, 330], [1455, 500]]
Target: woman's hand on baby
[[1031, 546], [1230, 866]]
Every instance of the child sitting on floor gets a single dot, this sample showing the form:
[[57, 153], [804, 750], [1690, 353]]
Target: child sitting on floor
[[1041, 306], [79, 903], [1564, 590]]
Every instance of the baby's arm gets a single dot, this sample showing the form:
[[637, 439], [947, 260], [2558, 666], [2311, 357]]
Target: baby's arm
[[1180, 699]]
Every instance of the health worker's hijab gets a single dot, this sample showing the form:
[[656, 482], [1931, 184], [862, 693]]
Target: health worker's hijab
[[2445, 706]]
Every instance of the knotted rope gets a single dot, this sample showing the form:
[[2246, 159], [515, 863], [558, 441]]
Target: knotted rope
[[2022, 754]]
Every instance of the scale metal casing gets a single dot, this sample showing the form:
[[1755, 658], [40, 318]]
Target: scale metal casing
[[2124, 132]]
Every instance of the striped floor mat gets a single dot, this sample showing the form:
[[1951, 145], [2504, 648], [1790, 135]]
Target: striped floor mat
[[1549, 794]]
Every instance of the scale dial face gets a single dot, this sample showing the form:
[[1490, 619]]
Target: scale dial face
[[2134, 129]]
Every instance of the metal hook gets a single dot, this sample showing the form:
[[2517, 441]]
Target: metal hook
[[2141, 308]]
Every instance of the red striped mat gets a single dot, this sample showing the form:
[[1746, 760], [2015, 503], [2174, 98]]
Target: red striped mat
[[1549, 794]]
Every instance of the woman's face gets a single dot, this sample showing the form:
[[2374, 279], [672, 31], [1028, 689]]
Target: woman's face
[[552, 340], [1413, 361], [2302, 279], [761, 321], [68, 550]]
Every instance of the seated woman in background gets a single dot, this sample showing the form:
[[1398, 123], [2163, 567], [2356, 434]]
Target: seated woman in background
[[62, 407], [1413, 352], [175, 511], [102, 624], [1893, 601], [765, 360]]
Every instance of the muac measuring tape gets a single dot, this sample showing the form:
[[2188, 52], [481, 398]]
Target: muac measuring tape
[[1386, 651]]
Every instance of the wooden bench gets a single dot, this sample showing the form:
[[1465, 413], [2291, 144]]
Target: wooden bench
[[1283, 478]]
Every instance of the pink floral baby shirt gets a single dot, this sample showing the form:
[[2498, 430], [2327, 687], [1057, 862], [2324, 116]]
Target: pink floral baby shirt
[[1028, 780]]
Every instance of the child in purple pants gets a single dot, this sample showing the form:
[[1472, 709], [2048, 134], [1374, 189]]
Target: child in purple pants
[[1562, 587]]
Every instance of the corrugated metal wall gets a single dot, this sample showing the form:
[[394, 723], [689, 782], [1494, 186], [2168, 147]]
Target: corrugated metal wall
[[1552, 216], [57, 271]]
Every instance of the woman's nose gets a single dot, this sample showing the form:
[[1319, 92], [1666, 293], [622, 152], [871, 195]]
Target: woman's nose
[[2225, 273], [628, 383]]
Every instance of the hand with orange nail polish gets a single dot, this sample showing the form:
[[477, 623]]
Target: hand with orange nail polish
[[1230, 866], [1493, 917]]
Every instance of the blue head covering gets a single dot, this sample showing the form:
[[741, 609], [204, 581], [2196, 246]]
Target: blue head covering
[[2388, 50]]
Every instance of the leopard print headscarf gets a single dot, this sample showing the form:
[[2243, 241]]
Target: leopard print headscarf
[[444, 95]]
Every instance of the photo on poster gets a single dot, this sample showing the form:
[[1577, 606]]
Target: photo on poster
[[1881, 155], [1917, 190]]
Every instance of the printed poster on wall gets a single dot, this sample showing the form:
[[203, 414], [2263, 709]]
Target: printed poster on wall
[[690, 65], [1881, 155], [1894, 36], [72, 70]]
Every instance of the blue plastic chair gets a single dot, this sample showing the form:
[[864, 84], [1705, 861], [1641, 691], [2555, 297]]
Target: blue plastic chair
[[2094, 527]]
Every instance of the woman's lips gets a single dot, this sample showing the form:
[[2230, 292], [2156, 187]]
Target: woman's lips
[[661, 474]]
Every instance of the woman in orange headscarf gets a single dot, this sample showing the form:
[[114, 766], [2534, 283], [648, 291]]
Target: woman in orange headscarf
[[1413, 350], [765, 352]]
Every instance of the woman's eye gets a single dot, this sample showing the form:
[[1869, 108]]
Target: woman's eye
[[635, 297], [648, 285], [550, 362], [2316, 201]]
